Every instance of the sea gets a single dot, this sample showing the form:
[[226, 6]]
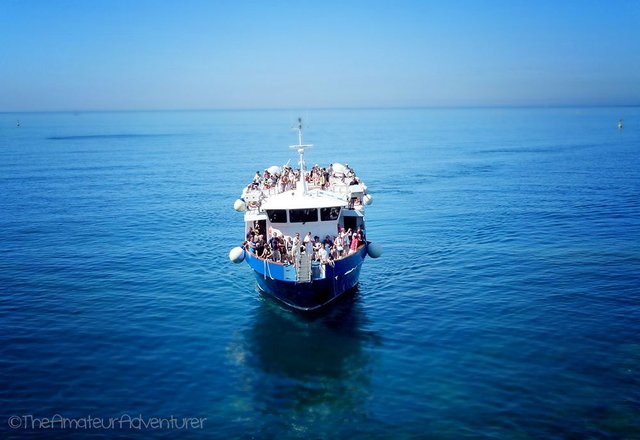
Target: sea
[[506, 304]]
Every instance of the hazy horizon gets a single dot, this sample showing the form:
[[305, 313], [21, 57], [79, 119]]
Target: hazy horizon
[[294, 109], [74, 56]]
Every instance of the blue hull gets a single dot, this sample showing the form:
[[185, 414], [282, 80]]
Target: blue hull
[[279, 281]]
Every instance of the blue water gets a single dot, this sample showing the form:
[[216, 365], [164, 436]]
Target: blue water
[[506, 304]]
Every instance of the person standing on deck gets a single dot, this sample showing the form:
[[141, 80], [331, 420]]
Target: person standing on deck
[[339, 244], [355, 241], [295, 250], [308, 244], [274, 244]]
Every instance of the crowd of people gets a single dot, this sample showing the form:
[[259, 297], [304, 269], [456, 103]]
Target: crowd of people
[[288, 177], [287, 249]]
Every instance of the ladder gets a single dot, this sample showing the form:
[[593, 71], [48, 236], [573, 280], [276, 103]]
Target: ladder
[[303, 269]]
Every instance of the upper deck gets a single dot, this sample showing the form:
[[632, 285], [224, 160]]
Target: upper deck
[[278, 188], [288, 200]]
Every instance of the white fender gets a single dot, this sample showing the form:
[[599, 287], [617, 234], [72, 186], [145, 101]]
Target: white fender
[[239, 205], [367, 199], [236, 254], [374, 250]]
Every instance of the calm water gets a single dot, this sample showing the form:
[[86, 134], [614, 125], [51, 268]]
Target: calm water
[[506, 305]]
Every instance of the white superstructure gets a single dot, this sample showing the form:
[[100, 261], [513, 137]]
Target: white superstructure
[[319, 200]]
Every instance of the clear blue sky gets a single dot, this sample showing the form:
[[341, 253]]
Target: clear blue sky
[[184, 54]]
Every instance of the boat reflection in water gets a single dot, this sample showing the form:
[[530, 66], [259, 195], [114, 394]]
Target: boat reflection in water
[[306, 374]]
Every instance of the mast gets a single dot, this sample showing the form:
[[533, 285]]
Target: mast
[[301, 188]]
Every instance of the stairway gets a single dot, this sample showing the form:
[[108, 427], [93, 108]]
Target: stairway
[[303, 269]]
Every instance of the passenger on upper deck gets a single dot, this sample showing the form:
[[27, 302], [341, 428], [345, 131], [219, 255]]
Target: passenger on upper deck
[[350, 172], [324, 178]]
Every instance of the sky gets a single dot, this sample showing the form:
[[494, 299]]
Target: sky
[[71, 55]]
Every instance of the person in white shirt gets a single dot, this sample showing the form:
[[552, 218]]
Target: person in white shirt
[[323, 254], [295, 249], [308, 244]]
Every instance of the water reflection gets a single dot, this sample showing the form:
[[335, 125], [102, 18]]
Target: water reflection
[[307, 374]]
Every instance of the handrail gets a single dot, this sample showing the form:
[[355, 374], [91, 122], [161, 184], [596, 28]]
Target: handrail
[[248, 249]]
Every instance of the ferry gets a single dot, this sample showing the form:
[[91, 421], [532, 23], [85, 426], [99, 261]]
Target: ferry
[[305, 234]]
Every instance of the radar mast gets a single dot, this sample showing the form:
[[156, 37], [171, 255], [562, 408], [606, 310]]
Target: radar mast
[[301, 188]]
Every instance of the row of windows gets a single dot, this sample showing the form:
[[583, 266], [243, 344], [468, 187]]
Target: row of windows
[[303, 215]]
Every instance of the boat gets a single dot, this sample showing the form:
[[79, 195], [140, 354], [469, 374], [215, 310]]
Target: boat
[[305, 234]]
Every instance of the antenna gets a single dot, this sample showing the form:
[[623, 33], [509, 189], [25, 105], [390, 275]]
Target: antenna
[[300, 144], [302, 185]]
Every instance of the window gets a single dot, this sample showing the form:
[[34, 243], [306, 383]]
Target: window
[[303, 215], [277, 215], [327, 214]]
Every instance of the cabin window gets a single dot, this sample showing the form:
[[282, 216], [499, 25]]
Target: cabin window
[[277, 215], [327, 214], [303, 215]]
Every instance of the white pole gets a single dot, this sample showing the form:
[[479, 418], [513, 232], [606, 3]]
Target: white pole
[[301, 189]]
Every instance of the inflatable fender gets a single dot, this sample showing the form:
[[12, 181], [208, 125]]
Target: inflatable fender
[[236, 255], [239, 205], [374, 250]]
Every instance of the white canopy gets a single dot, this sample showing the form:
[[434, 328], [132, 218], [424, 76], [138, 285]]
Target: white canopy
[[339, 168]]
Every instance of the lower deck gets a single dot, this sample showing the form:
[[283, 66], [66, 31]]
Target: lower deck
[[327, 281]]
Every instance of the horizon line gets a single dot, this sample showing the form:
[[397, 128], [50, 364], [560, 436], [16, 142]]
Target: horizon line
[[240, 109]]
